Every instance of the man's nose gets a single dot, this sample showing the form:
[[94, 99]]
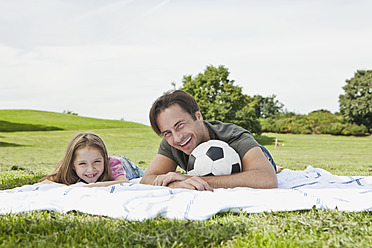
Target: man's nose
[[177, 137]]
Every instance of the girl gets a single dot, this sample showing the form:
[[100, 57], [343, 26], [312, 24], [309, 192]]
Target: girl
[[86, 160]]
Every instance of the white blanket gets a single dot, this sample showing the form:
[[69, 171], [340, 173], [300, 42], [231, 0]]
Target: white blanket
[[298, 190]]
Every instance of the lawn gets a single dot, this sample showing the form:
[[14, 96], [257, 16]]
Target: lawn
[[27, 155]]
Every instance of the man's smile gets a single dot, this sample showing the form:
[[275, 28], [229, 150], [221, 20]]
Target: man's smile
[[186, 142]]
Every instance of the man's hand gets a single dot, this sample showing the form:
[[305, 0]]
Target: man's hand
[[194, 183], [164, 180], [178, 180]]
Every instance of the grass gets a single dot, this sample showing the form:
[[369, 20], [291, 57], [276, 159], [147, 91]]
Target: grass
[[314, 228], [34, 120], [340, 155], [25, 156]]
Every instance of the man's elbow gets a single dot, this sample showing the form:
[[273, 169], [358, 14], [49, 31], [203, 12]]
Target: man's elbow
[[145, 180], [271, 184]]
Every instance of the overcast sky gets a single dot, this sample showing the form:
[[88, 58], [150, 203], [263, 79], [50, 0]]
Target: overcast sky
[[112, 59]]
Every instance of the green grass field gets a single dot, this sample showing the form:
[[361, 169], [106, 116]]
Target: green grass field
[[33, 142]]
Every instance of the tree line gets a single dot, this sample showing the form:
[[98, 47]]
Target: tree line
[[219, 98]]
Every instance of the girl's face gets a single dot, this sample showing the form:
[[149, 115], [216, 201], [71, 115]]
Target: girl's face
[[88, 164]]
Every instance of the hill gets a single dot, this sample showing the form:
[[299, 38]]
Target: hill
[[35, 120]]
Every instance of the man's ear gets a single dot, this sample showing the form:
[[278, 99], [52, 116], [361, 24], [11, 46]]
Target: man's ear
[[198, 115]]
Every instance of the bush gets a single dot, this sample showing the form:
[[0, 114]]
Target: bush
[[317, 122], [334, 129], [354, 129]]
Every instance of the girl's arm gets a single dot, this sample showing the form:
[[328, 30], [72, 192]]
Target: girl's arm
[[47, 181], [119, 179]]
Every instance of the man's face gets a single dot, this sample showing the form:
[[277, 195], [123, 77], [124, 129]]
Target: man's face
[[180, 130]]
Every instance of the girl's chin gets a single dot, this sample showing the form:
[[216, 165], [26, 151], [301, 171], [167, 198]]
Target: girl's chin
[[90, 180]]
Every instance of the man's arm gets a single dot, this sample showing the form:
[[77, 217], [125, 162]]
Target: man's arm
[[257, 172]]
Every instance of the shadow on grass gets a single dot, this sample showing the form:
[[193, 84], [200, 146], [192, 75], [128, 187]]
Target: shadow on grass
[[5, 144], [265, 140], [6, 126]]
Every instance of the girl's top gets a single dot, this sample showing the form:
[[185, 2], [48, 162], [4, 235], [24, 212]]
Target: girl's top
[[117, 168], [121, 165]]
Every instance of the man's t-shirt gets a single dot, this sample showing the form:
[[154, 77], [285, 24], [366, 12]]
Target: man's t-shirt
[[237, 137]]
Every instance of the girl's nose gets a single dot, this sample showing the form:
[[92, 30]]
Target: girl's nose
[[90, 168]]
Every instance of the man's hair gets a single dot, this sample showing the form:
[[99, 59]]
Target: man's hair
[[183, 99]]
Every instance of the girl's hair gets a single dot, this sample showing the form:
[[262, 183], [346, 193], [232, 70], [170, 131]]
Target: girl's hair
[[65, 171]]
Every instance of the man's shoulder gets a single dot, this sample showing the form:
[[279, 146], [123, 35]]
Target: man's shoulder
[[165, 149], [221, 129], [164, 144], [237, 137]]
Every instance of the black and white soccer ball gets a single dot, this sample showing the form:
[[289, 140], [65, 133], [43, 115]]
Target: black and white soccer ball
[[213, 158]]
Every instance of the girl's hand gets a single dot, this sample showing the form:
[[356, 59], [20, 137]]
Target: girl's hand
[[119, 179]]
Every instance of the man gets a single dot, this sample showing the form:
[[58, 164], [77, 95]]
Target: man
[[176, 117]]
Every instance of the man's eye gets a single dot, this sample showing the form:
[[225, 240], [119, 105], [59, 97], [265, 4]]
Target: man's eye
[[180, 125], [167, 134]]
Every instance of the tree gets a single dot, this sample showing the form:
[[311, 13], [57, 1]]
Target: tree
[[219, 99], [356, 102], [267, 106]]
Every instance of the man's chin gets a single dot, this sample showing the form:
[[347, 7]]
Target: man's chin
[[187, 151]]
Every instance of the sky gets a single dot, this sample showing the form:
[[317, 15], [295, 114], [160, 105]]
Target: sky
[[112, 59]]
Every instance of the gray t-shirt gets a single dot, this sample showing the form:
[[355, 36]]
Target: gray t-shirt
[[237, 137]]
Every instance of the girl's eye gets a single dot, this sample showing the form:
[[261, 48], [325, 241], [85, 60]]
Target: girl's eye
[[97, 161], [82, 164]]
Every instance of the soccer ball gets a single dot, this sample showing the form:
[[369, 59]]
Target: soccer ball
[[213, 158]]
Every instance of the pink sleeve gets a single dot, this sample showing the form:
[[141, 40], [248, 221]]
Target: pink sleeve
[[117, 168]]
